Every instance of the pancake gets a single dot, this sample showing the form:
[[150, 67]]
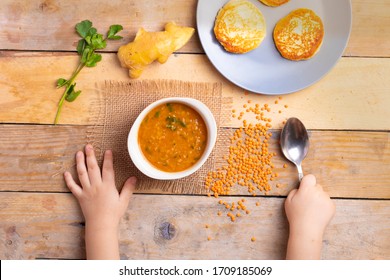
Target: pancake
[[273, 3], [239, 26], [299, 35]]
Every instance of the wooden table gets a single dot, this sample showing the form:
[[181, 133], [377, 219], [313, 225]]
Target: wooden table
[[347, 113]]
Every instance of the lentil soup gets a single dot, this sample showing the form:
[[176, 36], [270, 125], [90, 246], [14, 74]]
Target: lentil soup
[[172, 137]]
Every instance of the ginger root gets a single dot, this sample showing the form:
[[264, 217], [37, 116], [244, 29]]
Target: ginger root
[[150, 46]]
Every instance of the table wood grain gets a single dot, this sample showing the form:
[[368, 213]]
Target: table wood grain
[[347, 114]]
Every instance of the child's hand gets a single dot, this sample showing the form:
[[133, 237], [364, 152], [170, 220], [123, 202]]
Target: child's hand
[[101, 203], [309, 210], [99, 199]]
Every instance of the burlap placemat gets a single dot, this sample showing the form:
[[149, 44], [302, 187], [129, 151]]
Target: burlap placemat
[[117, 107]]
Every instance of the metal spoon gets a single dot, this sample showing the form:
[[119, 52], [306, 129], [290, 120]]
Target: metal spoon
[[294, 142]]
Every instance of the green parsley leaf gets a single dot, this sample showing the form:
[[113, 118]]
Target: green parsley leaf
[[83, 28], [80, 46], [61, 82], [97, 42], [72, 96], [114, 29], [93, 59], [86, 54], [88, 39], [92, 31]]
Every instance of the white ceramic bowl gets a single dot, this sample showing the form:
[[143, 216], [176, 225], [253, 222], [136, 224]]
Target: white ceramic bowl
[[145, 166]]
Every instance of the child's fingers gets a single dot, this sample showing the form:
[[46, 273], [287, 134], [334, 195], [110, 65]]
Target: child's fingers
[[291, 195], [308, 181], [93, 167], [82, 170], [108, 174], [72, 186], [128, 189]]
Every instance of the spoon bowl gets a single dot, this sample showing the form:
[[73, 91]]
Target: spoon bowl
[[294, 142]]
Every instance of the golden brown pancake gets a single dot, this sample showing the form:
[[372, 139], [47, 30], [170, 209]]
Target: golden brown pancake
[[299, 35], [273, 3], [239, 26]]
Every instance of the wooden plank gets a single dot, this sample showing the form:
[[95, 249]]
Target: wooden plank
[[25, 25], [51, 226], [370, 35], [49, 25], [355, 95], [347, 163], [34, 158]]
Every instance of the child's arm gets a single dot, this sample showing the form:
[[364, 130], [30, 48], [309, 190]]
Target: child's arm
[[309, 210], [100, 203]]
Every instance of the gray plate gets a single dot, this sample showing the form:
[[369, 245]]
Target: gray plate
[[264, 70]]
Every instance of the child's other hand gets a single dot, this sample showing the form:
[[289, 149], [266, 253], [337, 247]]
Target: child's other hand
[[101, 203], [309, 209]]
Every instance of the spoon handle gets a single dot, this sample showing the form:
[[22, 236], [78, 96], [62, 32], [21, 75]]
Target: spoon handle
[[300, 172]]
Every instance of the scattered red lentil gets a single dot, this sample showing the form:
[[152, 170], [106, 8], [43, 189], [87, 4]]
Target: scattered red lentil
[[253, 239], [232, 217], [248, 162]]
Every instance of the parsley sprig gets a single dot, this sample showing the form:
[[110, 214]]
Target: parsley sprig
[[86, 47]]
